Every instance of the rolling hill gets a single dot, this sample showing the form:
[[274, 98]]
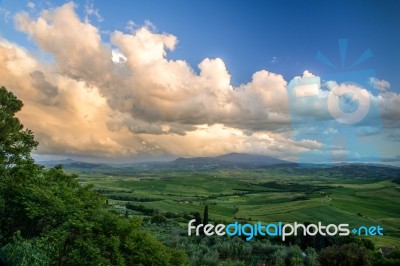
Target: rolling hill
[[232, 161]]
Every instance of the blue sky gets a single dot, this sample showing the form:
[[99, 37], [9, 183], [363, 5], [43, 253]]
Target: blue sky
[[248, 36], [242, 55]]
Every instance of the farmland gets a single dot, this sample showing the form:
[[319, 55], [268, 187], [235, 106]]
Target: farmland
[[269, 194]]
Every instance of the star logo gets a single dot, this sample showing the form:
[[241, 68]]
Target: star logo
[[343, 44]]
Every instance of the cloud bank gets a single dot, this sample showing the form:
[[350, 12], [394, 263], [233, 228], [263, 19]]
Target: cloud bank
[[124, 98]]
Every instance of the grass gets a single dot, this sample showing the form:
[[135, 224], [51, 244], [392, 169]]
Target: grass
[[268, 195]]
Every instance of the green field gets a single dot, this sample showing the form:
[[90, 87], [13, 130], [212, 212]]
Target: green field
[[261, 195]]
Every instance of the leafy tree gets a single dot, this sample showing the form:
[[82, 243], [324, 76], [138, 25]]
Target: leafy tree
[[279, 256], [159, 219], [25, 252], [295, 255], [197, 217], [348, 254], [311, 258], [16, 142], [48, 218]]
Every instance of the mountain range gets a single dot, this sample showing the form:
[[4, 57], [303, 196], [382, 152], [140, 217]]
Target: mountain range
[[230, 161]]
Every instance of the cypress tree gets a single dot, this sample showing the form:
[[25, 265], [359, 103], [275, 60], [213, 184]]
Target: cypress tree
[[205, 216]]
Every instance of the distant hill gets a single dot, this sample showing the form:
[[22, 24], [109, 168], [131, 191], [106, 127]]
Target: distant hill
[[253, 159], [71, 164], [233, 160]]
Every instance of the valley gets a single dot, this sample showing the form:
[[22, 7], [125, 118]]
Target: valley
[[357, 194]]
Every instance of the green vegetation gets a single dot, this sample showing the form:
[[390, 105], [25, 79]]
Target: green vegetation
[[109, 215], [48, 218], [278, 193], [259, 195]]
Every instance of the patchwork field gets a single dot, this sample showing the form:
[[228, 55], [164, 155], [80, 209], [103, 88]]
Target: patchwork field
[[268, 195]]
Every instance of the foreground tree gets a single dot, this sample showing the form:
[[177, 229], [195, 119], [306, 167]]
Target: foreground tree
[[348, 254], [48, 218], [16, 143]]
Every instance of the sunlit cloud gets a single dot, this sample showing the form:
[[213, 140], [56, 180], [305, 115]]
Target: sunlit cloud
[[125, 98]]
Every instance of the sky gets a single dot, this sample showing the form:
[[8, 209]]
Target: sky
[[312, 81]]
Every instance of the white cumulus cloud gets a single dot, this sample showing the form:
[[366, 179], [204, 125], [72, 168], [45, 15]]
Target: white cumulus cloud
[[126, 98]]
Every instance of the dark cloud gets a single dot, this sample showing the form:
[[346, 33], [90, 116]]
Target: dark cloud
[[40, 82]]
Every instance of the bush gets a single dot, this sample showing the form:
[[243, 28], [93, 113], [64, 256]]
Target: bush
[[158, 219], [348, 254]]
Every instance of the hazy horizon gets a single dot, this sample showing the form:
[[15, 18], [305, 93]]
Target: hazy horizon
[[40, 159]]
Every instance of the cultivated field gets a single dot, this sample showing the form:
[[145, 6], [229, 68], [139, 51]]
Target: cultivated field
[[270, 195]]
